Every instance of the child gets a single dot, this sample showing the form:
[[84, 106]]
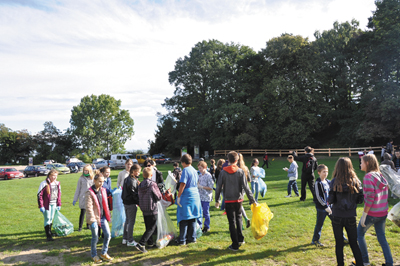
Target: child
[[130, 197], [212, 169], [149, 194], [293, 175], [124, 173], [345, 193], [98, 213], [85, 181], [105, 171], [234, 182], [321, 202], [205, 185], [254, 177], [49, 199], [375, 188], [177, 174]]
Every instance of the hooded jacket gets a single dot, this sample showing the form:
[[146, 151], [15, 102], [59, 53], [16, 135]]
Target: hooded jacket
[[130, 194], [376, 194], [149, 194], [93, 208], [233, 181], [344, 204], [44, 198]]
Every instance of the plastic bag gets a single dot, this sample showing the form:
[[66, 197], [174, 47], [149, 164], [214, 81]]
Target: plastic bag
[[392, 177], [166, 230], [394, 214], [62, 225], [199, 232], [170, 183], [262, 187], [259, 172], [118, 217], [260, 220]]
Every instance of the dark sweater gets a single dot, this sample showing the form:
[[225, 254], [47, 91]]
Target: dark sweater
[[149, 194], [130, 194], [344, 204]]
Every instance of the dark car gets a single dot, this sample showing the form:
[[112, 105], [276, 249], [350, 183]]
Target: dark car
[[160, 158], [79, 164], [35, 170]]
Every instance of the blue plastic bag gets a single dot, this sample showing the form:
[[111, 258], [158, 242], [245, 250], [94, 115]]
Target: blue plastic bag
[[118, 217], [262, 187]]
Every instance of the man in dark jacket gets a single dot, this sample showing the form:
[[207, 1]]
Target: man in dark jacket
[[307, 173]]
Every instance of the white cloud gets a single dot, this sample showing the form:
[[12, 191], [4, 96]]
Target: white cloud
[[53, 53]]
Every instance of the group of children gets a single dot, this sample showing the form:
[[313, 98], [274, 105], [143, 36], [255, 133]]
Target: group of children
[[336, 199]]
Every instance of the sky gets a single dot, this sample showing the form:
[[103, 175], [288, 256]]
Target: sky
[[55, 52]]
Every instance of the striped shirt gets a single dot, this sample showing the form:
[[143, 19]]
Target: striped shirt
[[376, 192]]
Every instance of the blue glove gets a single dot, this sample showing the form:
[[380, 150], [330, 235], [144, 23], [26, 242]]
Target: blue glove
[[73, 203], [42, 210], [58, 208]]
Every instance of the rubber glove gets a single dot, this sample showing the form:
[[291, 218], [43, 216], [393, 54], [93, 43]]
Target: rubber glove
[[73, 203], [200, 186], [42, 210], [178, 202], [58, 208], [362, 220], [328, 210]]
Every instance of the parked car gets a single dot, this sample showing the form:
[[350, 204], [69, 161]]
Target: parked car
[[95, 161], [79, 164], [9, 173], [48, 162], [141, 158], [120, 159], [62, 169], [35, 170], [72, 160], [160, 158]]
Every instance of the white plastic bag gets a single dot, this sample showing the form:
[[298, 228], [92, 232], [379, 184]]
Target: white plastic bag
[[170, 183], [166, 230], [392, 177], [394, 214]]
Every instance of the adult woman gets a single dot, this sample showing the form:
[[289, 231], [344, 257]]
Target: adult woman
[[375, 188], [124, 173]]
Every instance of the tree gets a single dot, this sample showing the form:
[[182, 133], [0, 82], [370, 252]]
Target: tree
[[100, 126], [15, 146]]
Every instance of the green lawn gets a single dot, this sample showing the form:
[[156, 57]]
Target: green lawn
[[22, 238]]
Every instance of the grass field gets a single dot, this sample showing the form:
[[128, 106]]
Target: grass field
[[23, 242]]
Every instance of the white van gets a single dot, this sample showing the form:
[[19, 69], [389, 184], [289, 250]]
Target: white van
[[120, 159]]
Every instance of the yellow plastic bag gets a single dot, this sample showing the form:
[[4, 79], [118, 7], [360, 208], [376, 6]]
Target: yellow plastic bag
[[260, 220]]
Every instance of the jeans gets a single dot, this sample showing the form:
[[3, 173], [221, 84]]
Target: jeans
[[95, 236], [321, 215], [49, 214], [304, 181], [130, 211], [379, 224], [254, 189], [187, 231], [205, 205], [349, 223], [150, 221], [234, 215], [222, 204], [292, 183]]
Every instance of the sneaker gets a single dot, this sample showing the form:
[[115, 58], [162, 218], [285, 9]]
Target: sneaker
[[182, 244], [131, 244], [124, 241], [151, 245], [317, 244], [288, 196], [80, 229], [224, 213], [247, 223], [297, 195], [141, 248], [206, 230], [106, 257], [234, 249], [96, 259], [242, 243], [192, 242]]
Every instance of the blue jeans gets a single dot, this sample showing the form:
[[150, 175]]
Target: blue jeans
[[95, 236], [350, 224], [254, 189], [205, 205], [321, 215], [292, 183], [379, 224], [187, 229]]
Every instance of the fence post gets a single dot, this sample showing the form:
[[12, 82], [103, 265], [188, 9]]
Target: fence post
[[251, 151], [349, 152], [329, 152]]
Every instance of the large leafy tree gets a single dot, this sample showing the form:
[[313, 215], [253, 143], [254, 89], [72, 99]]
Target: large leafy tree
[[15, 146], [100, 125]]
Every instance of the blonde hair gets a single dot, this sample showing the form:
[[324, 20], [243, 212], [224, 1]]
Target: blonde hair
[[52, 171], [147, 172], [371, 162], [90, 169], [243, 166]]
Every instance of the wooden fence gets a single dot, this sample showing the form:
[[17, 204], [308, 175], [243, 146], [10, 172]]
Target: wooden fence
[[285, 152]]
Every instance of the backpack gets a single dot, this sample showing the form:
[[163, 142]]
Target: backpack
[[310, 165]]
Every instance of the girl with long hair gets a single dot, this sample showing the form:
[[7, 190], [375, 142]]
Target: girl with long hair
[[85, 181]]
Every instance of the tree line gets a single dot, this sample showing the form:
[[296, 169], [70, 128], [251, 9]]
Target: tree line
[[342, 89], [98, 128]]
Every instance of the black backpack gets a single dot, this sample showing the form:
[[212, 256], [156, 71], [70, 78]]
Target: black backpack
[[310, 165]]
